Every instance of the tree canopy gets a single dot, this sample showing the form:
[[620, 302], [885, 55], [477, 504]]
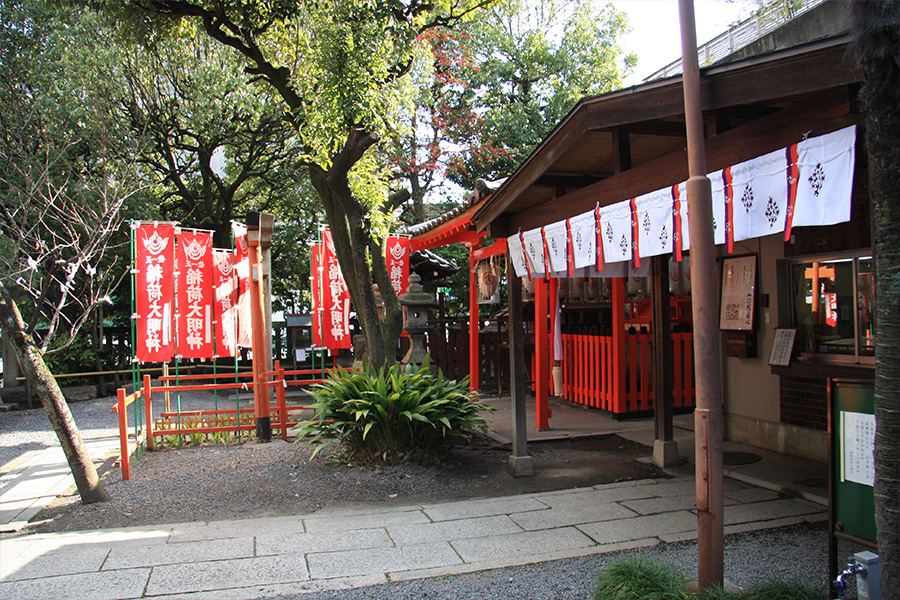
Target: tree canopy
[[340, 70]]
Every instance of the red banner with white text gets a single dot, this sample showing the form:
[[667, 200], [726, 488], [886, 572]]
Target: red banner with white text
[[335, 298], [155, 292], [242, 266], [397, 257], [316, 292], [224, 311], [194, 291]]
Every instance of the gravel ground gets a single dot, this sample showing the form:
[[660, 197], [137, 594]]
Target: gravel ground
[[215, 482], [25, 430], [789, 554], [218, 481]]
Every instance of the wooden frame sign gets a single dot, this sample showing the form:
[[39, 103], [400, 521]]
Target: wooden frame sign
[[738, 293], [782, 346]]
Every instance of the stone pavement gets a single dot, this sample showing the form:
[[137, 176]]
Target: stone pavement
[[231, 560], [33, 480]]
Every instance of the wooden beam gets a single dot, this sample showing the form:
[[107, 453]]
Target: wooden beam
[[497, 248], [815, 67], [655, 127], [570, 180], [565, 134], [737, 145], [621, 141]]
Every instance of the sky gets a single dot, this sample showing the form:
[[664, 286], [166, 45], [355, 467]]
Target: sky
[[656, 33]]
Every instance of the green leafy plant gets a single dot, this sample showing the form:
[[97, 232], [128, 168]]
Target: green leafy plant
[[385, 415], [642, 579]]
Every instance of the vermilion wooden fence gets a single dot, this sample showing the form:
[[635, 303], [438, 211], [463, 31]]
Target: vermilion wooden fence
[[204, 422], [595, 375]]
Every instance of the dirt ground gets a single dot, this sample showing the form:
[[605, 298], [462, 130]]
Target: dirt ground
[[217, 482]]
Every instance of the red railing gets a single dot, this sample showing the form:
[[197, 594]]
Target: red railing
[[590, 367], [197, 421]]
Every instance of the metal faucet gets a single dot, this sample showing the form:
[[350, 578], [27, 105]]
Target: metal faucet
[[853, 568]]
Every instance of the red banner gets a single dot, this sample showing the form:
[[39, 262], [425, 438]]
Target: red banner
[[335, 299], [154, 290], [398, 263], [242, 266], [194, 291], [224, 311], [315, 292]]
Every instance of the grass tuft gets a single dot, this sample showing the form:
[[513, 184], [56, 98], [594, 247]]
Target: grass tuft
[[642, 579]]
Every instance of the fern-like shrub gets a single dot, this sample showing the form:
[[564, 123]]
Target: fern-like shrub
[[383, 415]]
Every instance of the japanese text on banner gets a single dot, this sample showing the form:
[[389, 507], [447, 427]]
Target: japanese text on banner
[[225, 311], [155, 294], [336, 298], [194, 257], [398, 263]]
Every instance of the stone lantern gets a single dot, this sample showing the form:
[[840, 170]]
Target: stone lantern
[[416, 304]]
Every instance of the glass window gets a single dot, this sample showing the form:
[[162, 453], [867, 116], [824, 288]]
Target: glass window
[[834, 305]]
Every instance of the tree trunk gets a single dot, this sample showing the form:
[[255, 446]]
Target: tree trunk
[[44, 385], [877, 29], [362, 261]]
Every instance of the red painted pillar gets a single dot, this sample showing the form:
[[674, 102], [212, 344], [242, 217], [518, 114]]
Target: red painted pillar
[[541, 354], [618, 345], [474, 323], [258, 342]]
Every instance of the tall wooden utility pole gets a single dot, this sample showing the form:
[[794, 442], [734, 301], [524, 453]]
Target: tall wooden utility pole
[[708, 418]]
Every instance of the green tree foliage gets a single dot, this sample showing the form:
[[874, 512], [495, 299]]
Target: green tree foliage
[[217, 146], [66, 173], [64, 179], [526, 63], [491, 88], [340, 70]]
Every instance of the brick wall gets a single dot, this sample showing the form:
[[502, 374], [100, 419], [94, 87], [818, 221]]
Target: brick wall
[[804, 402]]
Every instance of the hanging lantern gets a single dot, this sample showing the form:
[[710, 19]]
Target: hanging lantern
[[487, 276], [675, 284], [636, 287], [577, 289], [527, 289], [592, 287]]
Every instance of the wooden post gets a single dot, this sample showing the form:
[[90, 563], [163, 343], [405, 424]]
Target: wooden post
[[122, 409], [259, 236], [618, 345], [520, 463], [541, 353], [709, 418], [474, 324], [148, 408], [258, 344], [665, 449]]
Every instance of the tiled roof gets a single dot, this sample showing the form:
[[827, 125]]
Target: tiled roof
[[482, 190]]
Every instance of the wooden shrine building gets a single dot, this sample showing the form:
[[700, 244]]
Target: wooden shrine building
[[814, 280]]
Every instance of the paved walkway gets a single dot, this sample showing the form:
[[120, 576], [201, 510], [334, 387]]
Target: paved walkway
[[250, 558], [33, 480], [254, 557]]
